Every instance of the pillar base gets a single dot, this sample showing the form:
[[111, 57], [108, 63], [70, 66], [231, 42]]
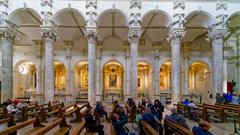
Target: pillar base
[[39, 97], [98, 97], [175, 99], [126, 96]]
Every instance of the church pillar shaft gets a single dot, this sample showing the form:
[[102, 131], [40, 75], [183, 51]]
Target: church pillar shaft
[[225, 76], [7, 65], [39, 75], [175, 37]]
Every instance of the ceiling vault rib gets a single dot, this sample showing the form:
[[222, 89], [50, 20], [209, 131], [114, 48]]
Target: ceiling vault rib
[[191, 18], [113, 24], [76, 22], [33, 16], [149, 23]]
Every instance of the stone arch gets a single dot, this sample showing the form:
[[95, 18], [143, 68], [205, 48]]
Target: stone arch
[[233, 15], [126, 17], [168, 16], [16, 11], [208, 15], [69, 9]]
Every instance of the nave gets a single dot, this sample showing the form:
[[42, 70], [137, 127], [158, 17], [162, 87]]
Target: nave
[[74, 114]]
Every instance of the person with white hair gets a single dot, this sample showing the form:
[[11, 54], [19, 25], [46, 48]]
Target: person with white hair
[[177, 118]]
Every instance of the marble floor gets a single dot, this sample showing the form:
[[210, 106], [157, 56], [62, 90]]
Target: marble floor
[[217, 128]]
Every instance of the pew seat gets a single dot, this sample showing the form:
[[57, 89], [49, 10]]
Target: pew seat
[[148, 129], [62, 131], [78, 129]]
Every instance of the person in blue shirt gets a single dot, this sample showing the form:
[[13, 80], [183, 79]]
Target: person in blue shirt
[[177, 118], [151, 119], [203, 128], [119, 124], [100, 109], [185, 102], [228, 97]]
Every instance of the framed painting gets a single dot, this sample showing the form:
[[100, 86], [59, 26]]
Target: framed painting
[[112, 80]]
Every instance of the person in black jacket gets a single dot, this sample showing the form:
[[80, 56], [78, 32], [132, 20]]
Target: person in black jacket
[[92, 124]]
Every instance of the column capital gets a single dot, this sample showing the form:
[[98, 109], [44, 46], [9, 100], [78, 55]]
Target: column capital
[[7, 33], [48, 32], [218, 33], [91, 33], [176, 34], [134, 34]]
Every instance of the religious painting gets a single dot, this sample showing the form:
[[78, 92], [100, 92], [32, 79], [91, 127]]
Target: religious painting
[[112, 80], [139, 82]]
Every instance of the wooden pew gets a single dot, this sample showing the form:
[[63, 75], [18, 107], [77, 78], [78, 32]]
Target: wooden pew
[[177, 129], [63, 130], [13, 128], [50, 110], [148, 130], [78, 129]]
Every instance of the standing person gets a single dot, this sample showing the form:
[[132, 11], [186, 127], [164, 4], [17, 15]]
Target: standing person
[[119, 124], [115, 106], [158, 109], [203, 128], [92, 124]]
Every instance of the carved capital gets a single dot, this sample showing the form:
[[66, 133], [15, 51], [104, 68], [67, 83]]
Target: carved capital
[[91, 34], [48, 32], [217, 33], [135, 20], [7, 33], [176, 35], [48, 3], [134, 34], [3, 12]]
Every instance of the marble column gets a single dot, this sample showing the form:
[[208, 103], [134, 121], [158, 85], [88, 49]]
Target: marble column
[[7, 40], [175, 37], [186, 47], [134, 35], [49, 37], [217, 64], [156, 78], [127, 72], [69, 70], [225, 75], [91, 34], [98, 72], [39, 88], [238, 63]]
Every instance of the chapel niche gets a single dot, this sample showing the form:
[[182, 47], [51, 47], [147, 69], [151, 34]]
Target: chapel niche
[[81, 79], [59, 76]]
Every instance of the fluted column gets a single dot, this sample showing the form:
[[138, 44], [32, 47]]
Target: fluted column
[[7, 39], [134, 35], [91, 34], [225, 75], [49, 37], [217, 63], [39, 89], [175, 37]]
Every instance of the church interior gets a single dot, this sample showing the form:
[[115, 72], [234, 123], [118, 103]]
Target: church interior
[[102, 60]]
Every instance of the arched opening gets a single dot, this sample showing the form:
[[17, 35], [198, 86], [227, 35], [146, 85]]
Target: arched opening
[[25, 79], [165, 77], [199, 78], [59, 77], [143, 79], [113, 76], [81, 79]]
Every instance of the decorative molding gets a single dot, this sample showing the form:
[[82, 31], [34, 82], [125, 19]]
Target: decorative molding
[[91, 34], [176, 35], [221, 17], [91, 20], [48, 32], [10, 35], [3, 12], [218, 33], [221, 5], [179, 4], [135, 4], [134, 34], [91, 3], [48, 3], [135, 20]]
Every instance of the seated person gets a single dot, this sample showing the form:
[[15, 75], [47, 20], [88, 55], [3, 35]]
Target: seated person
[[185, 102], [91, 123], [21, 105], [115, 106], [177, 118], [151, 119], [12, 109], [144, 102], [192, 110], [203, 128], [158, 109], [228, 97], [6, 103], [219, 99], [150, 105], [235, 100], [100, 109], [119, 124]]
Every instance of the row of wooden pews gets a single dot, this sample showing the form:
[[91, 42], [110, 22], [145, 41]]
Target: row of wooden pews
[[40, 129]]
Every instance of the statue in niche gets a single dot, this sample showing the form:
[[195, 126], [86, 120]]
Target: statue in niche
[[112, 80]]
